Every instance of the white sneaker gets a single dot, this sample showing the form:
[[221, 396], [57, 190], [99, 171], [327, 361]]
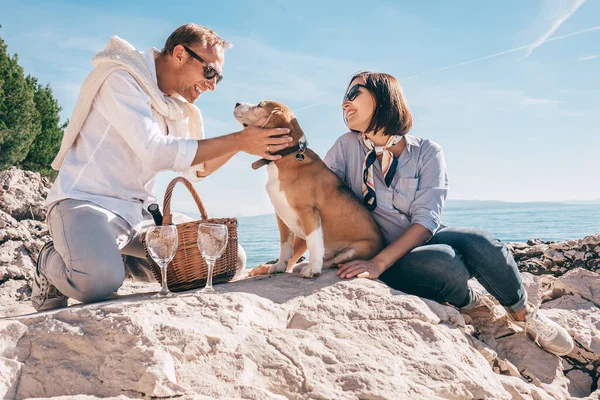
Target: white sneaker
[[44, 296], [545, 332]]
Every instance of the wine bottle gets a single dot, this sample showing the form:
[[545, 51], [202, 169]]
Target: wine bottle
[[154, 210]]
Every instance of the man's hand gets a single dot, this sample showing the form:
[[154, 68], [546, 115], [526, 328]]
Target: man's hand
[[261, 142], [359, 268]]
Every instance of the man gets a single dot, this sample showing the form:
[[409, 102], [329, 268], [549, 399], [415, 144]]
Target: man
[[134, 118]]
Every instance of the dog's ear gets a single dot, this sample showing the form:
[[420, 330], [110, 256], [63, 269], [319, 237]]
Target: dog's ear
[[295, 129], [277, 119]]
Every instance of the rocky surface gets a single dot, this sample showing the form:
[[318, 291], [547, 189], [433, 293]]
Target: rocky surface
[[556, 258], [288, 337], [279, 337]]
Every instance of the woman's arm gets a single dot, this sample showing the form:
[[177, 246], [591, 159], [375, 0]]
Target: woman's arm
[[414, 236], [426, 208]]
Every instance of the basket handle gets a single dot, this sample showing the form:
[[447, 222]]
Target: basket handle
[[168, 217]]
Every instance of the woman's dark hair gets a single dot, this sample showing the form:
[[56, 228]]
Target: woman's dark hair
[[391, 115]]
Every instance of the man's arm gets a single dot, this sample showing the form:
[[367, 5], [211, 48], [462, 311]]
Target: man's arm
[[252, 140], [213, 165], [127, 108]]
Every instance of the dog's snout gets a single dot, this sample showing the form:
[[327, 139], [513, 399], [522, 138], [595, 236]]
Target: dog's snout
[[237, 104]]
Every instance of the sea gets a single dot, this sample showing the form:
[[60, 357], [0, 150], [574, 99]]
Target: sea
[[510, 222]]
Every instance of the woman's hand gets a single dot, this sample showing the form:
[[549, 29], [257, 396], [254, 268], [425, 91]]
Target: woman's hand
[[359, 268]]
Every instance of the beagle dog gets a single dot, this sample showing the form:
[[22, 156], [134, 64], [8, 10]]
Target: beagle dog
[[314, 208]]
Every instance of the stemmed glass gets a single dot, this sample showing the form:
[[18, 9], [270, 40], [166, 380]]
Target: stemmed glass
[[162, 245], [212, 240]]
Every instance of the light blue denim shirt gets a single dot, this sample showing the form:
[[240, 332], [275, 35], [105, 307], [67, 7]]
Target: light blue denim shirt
[[418, 189]]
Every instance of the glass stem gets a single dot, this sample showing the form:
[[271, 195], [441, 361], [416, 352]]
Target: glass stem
[[165, 288], [211, 265]]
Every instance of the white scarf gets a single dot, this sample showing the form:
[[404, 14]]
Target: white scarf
[[388, 167], [120, 55]]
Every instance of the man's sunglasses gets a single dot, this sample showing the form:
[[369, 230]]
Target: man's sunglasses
[[353, 92], [209, 71]]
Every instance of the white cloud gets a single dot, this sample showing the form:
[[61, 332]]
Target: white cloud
[[289, 76], [568, 113], [90, 44], [494, 55], [555, 12], [516, 97], [589, 58]]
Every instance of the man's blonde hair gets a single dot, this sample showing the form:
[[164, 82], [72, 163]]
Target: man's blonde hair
[[189, 34]]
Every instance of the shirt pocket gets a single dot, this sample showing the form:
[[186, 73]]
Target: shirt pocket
[[403, 194]]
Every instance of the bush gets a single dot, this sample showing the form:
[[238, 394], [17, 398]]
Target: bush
[[30, 129]]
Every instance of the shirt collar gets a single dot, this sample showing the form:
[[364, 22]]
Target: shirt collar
[[411, 141], [405, 156], [150, 58]]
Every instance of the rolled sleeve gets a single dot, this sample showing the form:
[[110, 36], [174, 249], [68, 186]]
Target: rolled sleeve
[[191, 174], [426, 209], [185, 155], [128, 110]]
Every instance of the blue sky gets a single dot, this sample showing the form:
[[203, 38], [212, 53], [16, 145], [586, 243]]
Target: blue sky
[[509, 89]]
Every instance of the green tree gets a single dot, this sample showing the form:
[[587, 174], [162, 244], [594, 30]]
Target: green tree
[[19, 119], [30, 129], [47, 142]]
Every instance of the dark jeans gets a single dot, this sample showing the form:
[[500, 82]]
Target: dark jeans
[[439, 270]]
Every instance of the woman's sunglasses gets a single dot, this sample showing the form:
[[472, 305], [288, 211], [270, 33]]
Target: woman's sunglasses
[[353, 92], [209, 71]]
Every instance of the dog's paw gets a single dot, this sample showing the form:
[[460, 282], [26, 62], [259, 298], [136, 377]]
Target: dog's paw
[[298, 267], [277, 268], [311, 270]]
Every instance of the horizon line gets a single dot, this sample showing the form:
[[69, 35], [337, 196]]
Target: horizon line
[[563, 202]]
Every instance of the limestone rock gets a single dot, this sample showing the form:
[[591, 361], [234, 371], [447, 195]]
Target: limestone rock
[[557, 258], [288, 337], [285, 337], [22, 194]]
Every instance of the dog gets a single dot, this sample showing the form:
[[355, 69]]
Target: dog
[[314, 208]]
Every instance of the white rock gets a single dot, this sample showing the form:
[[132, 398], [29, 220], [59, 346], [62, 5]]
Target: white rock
[[581, 282], [284, 335]]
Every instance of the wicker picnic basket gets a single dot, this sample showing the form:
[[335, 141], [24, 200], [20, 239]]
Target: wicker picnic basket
[[188, 270]]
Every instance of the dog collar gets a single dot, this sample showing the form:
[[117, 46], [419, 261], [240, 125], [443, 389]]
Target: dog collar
[[299, 149]]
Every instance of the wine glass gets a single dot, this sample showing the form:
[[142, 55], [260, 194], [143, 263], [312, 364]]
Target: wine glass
[[212, 240], [162, 245]]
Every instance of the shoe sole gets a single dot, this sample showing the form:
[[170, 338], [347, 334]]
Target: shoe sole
[[511, 319], [50, 304]]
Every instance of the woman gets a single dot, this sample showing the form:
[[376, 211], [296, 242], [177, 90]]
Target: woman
[[403, 182]]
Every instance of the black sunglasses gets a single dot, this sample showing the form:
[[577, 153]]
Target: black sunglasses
[[209, 71], [353, 92]]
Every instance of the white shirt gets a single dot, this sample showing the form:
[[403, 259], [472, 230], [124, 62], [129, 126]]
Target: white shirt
[[121, 147]]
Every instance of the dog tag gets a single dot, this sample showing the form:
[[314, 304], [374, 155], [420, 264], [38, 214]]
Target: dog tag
[[300, 157]]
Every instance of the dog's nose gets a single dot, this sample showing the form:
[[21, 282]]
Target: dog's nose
[[237, 104]]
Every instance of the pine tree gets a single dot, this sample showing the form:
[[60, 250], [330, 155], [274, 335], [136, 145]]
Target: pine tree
[[30, 129], [47, 142], [19, 119]]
